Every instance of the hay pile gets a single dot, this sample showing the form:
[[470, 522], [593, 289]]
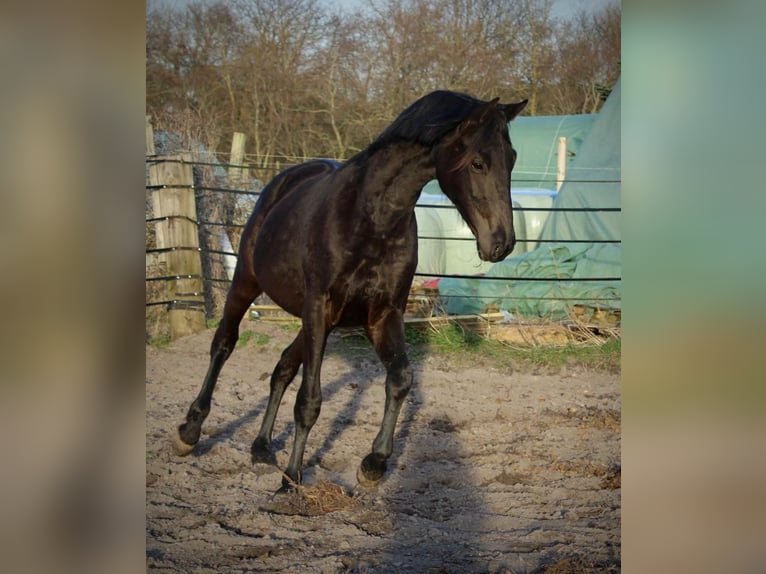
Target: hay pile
[[316, 499]]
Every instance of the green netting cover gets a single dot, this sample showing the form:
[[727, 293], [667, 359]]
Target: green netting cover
[[535, 139], [529, 294]]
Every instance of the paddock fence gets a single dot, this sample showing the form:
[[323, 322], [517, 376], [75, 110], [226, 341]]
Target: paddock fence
[[196, 209]]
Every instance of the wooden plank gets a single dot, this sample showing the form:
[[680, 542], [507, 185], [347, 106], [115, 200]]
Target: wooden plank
[[149, 137]]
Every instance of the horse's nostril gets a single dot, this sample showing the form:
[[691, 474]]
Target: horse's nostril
[[498, 251]]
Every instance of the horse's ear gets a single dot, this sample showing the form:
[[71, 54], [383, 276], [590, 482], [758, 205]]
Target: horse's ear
[[513, 110], [479, 116], [488, 109], [485, 112]]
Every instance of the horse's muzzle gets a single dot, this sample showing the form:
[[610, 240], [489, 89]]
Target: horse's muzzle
[[499, 252], [499, 249]]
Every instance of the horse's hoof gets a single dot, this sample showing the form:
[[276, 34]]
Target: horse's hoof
[[371, 471], [180, 447], [260, 453], [263, 458], [365, 481]]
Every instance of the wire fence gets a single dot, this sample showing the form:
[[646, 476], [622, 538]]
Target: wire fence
[[223, 206]]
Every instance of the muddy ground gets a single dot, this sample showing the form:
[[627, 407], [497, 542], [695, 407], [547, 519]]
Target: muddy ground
[[493, 471]]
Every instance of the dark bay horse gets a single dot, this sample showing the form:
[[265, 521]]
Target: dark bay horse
[[336, 245]]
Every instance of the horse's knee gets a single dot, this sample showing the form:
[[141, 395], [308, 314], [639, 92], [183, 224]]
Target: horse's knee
[[221, 348], [283, 374], [307, 409], [400, 381], [224, 340]]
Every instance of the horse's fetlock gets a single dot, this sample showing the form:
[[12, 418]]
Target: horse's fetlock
[[197, 414]]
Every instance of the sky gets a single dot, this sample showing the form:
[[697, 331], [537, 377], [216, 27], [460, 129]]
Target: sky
[[563, 9]]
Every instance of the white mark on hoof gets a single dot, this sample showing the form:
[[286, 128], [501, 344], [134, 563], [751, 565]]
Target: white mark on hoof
[[180, 447]]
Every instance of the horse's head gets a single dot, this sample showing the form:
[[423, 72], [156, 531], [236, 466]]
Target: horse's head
[[473, 166]]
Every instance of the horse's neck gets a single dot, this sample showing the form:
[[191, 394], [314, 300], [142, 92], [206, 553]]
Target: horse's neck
[[393, 179]]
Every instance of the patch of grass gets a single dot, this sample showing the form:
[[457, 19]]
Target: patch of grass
[[160, 342], [260, 339], [454, 344], [290, 325], [606, 356], [459, 347], [349, 344]]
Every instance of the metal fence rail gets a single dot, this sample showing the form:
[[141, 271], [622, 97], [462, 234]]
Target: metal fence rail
[[220, 218]]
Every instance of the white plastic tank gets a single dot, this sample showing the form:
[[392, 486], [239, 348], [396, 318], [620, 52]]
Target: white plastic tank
[[229, 261], [445, 242], [532, 198], [431, 247]]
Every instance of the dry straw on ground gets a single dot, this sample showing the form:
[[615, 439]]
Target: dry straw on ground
[[322, 497]]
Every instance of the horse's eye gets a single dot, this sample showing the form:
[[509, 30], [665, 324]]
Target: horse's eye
[[477, 165]]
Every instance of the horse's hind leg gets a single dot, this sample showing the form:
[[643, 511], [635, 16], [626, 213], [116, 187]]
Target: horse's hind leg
[[309, 399], [387, 337], [283, 375], [226, 335]]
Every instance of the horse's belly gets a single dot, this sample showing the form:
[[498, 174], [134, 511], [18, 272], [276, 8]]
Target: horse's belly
[[376, 277]]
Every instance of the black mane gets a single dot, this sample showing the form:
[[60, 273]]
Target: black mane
[[428, 119]]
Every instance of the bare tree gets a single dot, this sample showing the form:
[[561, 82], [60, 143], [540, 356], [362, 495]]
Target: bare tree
[[190, 54], [588, 61], [464, 45], [301, 81], [280, 37]]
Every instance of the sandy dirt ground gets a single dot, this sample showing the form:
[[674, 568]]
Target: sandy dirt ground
[[493, 471]]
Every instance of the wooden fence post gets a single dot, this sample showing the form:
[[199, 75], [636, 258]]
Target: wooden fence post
[[173, 199], [237, 158]]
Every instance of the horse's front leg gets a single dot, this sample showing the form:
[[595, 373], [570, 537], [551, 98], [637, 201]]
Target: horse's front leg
[[309, 399], [387, 337]]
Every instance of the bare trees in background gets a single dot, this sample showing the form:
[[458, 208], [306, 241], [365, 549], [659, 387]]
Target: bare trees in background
[[588, 61], [303, 80]]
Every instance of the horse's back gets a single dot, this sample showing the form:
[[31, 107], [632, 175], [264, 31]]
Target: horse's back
[[290, 180], [281, 186]]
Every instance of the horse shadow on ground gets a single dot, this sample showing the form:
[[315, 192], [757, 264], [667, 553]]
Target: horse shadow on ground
[[430, 497], [433, 506], [425, 530], [359, 379], [282, 432]]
